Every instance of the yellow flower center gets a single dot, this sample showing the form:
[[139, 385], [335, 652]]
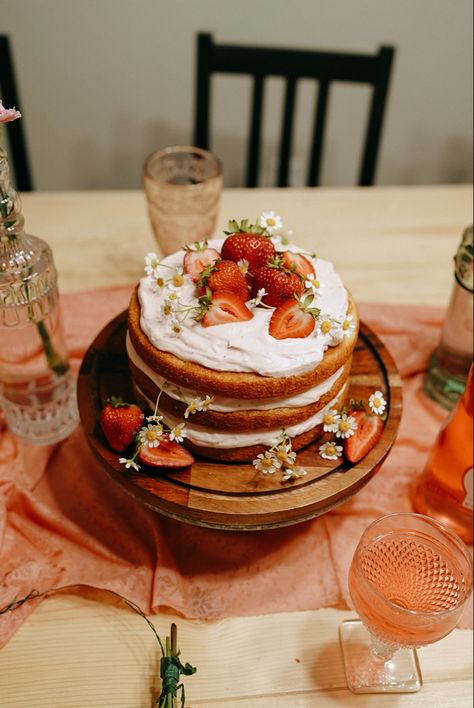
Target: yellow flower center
[[377, 402], [326, 326], [282, 455], [328, 419], [330, 449], [266, 462], [167, 309], [172, 296], [344, 426], [176, 329], [346, 324], [314, 282], [151, 435], [178, 280], [160, 282], [271, 221]]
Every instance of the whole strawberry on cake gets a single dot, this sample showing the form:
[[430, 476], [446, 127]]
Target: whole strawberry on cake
[[247, 338]]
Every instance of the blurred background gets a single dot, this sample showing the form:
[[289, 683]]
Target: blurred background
[[105, 82]]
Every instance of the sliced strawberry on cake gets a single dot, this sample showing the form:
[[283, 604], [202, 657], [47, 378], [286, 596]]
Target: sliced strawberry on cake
[[197, 257], [297, 263], [293, 319], [223, 307], [368, 431], [168, 454]]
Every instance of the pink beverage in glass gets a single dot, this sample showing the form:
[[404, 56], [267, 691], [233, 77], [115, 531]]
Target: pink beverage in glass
[[410, 586]]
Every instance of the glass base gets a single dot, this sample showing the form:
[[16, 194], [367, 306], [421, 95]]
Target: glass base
[[45, 419], [400, 674]]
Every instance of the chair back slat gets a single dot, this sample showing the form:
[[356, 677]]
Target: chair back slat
[[293, 65], [254, 145], [17, 152], [314, 170], [287, 132]]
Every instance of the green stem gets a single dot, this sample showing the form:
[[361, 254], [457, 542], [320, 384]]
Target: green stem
[[55, 363]]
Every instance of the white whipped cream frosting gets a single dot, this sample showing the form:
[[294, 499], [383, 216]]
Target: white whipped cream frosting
[[224, 404], [242, 346], [225, 439]]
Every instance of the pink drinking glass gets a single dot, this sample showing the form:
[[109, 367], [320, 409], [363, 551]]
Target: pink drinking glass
[[409, 580]]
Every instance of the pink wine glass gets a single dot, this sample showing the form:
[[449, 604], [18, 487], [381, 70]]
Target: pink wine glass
[[409, 580]]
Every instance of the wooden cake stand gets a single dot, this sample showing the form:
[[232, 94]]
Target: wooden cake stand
[[236, 496]]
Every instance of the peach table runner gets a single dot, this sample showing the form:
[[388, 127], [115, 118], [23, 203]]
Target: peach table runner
[[63, 521]]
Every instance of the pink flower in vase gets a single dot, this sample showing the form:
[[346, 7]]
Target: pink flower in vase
[[8, 114]]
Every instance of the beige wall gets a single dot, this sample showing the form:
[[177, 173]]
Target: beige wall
[[104, 82]]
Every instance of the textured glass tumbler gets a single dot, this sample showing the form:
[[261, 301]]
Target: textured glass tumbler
[[409, 580], [183, 186]]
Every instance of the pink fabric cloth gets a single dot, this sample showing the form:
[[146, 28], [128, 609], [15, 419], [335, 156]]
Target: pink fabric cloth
[[63, 521]]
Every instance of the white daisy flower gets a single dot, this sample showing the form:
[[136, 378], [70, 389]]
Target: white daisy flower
[[284, 454], [266, 462], [151, 263], [154, 418], [270, 221], [206, 402], [330, 450], [331, 421], [158, 282], [377, 403], [293, 473], [150, 435], [175, 326], [243, 265], [261, 292], [346, 426], [312, 284], [348, 326], [176, 280], [326, 324], [178, 433], [129, 463]]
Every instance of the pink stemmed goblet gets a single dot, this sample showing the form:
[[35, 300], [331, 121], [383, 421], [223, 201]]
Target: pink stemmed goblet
[[409, 580]]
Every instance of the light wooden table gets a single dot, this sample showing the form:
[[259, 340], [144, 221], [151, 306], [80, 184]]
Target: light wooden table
[[392, 245]]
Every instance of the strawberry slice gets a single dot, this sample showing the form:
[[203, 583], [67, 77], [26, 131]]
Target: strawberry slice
[[298, 263], [222, 307], [369, 430], [291, 321], [168, 454], [195, 260]]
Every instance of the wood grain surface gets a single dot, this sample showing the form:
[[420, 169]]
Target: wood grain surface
[[236, 496]]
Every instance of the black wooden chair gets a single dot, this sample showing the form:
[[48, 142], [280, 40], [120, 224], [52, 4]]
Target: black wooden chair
[[17, 152], [292, 64]]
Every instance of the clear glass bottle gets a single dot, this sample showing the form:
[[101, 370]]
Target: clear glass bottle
[[446, 375], [37, 390], [445, 489]]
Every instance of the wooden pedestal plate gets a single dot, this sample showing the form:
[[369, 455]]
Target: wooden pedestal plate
[[236, 496]]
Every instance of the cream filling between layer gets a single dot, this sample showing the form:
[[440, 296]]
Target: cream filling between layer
[[223, 439], [242, 346], [226, 405]]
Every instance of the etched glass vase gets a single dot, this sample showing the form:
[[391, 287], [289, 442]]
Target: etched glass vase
[[37, 390]]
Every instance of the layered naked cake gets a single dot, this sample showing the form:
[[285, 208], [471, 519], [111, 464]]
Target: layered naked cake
[[242, 337]]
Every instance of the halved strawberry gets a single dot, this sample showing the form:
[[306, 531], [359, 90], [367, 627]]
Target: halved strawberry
[[253, 248], [168, 454], [119, 421], [224, 275], [222, 307], [291, 321], [298, 263], [369, 429], [279, 283], [197, 258]]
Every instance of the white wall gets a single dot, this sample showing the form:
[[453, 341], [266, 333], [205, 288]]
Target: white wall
[[104, 82]]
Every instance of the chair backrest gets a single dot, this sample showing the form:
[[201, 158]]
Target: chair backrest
[[17, 153], [292, 65]]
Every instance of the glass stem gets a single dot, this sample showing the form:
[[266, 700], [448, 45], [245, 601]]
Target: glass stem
[[380, 650]]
